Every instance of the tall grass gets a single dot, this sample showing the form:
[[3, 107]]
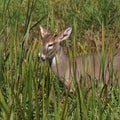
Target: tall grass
[[28, 89]]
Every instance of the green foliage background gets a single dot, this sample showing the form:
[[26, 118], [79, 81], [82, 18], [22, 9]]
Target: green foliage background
[[28, 89]]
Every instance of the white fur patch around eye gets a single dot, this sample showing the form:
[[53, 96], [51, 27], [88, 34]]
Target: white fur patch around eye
[[50, 46]]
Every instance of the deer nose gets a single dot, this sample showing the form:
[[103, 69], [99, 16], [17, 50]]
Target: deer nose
[[41, 57]]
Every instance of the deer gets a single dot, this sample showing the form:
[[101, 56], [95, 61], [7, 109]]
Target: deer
[[84, 66]]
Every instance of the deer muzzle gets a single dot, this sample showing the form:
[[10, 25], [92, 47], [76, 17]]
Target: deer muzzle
[[41, 57]]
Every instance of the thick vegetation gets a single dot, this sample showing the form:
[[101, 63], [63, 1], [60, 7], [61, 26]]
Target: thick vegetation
[[28, 89]]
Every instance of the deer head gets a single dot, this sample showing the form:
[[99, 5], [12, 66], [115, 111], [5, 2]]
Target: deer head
[[51, 42]]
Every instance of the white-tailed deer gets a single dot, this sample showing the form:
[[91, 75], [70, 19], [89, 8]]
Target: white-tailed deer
[[86, 66]]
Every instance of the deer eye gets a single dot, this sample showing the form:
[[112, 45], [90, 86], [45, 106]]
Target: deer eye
[[50, 46]]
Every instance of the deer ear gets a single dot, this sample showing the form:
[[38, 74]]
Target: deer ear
[[65, 34], [43, 32]]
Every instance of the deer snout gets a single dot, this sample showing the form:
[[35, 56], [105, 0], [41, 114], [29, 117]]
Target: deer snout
[[41, 57]]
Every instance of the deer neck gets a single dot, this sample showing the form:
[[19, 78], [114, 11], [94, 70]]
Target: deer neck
[[60, 61]]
